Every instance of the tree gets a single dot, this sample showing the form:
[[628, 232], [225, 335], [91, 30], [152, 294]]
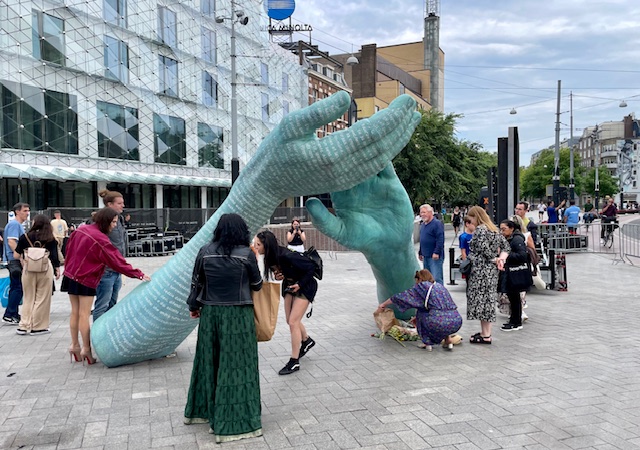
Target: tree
[[535, 178], [608, 184], [436, 167]]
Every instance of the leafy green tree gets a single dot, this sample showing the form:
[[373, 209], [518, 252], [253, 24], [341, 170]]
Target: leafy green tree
[[535, 178], [608, 184], [437, 167]]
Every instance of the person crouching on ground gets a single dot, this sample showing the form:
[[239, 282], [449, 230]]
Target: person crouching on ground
[[298, 289], [437, 315]]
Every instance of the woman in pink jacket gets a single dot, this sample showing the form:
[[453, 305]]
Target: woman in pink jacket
[[89, 251]]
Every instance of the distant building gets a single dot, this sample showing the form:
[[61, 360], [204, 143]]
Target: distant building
[[133, 96], [384, 73]]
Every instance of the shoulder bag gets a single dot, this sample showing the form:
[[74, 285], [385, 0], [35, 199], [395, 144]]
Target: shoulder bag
[[266, 303]]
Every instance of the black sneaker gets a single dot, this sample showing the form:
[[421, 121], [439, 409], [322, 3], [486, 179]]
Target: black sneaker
[[21, 332], [11, 320], [306, 346], [511, 327], [292, 366], [39, 332]]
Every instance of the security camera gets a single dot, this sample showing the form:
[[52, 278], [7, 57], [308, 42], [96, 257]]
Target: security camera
[[244, 20], [239, 13], [219, 19]]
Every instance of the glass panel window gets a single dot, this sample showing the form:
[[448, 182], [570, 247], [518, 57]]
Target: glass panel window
[[117, 131], [265, 107], [168, 76], [264, 74], [116, 59], [168, 29], [208, 7], [285, 107], [209, 90], [285, 82], [47, 37], [210, 151], [208, 45], [38, 119], [115, 12], [170, 139]]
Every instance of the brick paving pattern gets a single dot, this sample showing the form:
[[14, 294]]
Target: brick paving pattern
[[569, 380]]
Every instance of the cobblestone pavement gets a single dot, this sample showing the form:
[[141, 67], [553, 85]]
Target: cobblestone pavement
[[569, 380]]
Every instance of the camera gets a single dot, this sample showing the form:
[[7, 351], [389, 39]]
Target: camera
[[288, 290]]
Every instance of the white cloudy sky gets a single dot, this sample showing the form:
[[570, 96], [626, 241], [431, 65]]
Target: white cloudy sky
[[503, 54]]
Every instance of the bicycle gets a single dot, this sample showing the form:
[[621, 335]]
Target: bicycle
[[609, 228]]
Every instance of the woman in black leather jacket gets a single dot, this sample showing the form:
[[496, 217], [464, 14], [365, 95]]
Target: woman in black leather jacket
[[298, 289], [516, 276], [225, 382]]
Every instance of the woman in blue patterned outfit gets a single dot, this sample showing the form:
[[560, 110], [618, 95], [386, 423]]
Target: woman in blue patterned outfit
[[437, 316]]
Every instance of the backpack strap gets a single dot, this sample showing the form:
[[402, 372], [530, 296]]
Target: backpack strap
[[26, 235]]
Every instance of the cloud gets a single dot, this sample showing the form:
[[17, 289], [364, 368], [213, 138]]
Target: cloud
[[506, 54]]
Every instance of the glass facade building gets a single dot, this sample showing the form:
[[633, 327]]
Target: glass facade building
[[136, 95]]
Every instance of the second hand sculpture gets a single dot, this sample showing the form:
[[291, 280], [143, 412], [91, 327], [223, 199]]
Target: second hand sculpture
[[152, 320]]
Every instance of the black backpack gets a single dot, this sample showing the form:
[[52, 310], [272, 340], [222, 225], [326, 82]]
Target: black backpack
[[313, 255]]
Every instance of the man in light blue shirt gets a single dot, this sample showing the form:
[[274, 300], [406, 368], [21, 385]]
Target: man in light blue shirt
[[571, 216], [12, 233]]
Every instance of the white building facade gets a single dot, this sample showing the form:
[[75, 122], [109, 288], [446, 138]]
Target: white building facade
[[134, 96]]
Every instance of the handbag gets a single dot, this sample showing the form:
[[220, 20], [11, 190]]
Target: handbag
[[519, 277], [36, 259], [266, 303], [465, 266]]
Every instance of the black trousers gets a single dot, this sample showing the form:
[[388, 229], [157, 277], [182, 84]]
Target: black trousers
[[516, 308]]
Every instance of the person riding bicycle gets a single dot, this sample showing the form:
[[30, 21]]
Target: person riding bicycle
[[608, 214], [589, 215]]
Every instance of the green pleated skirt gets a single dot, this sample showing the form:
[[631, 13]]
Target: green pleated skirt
[[225, 382]]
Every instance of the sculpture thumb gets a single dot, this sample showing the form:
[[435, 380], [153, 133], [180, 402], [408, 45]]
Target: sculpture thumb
[[323, 220]]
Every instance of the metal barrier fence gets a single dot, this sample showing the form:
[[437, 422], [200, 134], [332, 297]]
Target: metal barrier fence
[[622, 242], [630, 242]]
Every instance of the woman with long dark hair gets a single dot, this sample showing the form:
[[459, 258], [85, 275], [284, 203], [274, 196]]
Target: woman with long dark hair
[[38, 286], [225, 382], [296, 237], [298, 289], [89, 252], [516, 277]]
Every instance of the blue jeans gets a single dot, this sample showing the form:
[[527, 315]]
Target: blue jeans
[[107, 293], [435, 267], [15, 289]]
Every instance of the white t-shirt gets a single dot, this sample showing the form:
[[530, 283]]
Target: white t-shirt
[[541, 207]]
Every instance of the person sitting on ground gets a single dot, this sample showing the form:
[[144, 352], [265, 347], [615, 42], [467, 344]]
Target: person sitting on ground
[[437, 315]]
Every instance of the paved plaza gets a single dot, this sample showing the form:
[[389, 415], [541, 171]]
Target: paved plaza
[[569, 380]]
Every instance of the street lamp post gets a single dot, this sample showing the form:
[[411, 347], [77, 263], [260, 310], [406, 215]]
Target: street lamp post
[[239, 16], [572, 183], [597, 180], [556, 162]]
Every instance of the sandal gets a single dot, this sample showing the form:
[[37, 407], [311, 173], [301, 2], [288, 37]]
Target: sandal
[[479, 339]]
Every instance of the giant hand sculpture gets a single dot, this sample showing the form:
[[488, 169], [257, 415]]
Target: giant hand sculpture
[[152, 320], [375, 218]]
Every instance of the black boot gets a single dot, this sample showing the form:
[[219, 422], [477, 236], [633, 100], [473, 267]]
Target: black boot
[[292, 366], [306, 346]]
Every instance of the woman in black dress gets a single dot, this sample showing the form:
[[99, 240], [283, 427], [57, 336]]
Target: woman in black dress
[[298, 289]]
